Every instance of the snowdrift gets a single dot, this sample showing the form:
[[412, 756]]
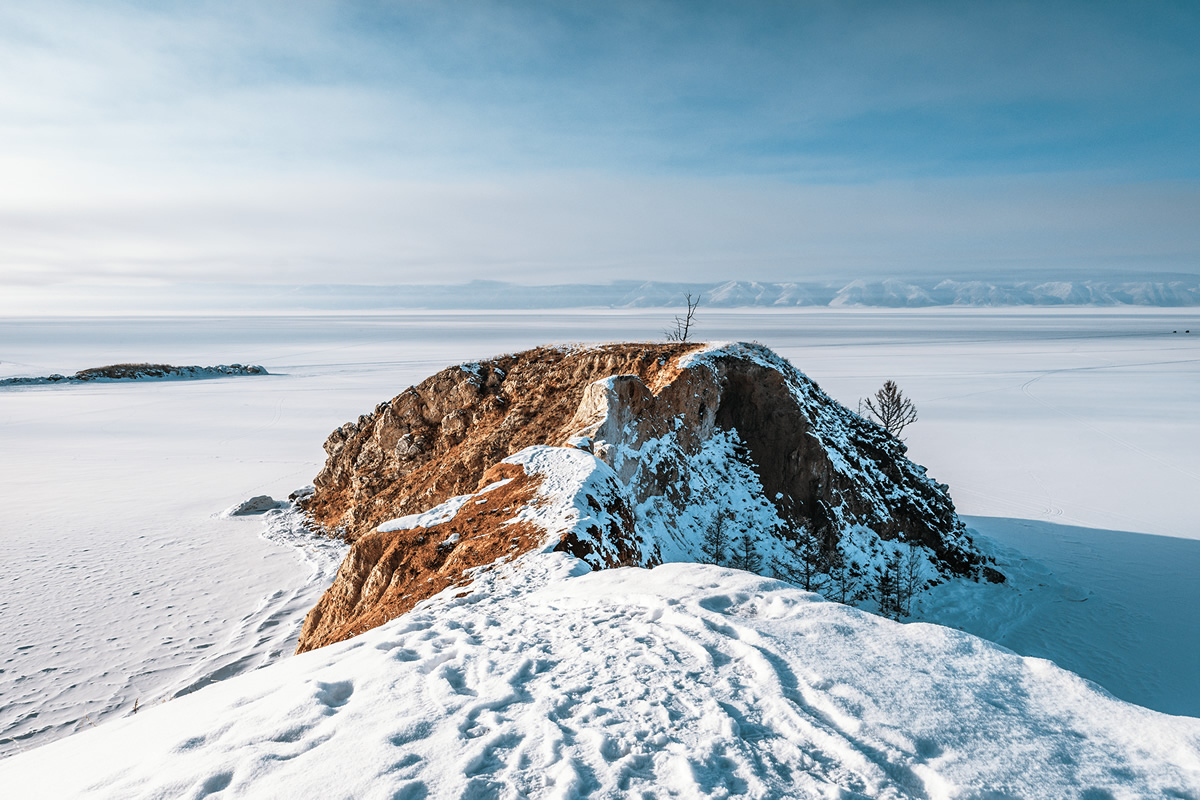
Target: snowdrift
[[549, 680]]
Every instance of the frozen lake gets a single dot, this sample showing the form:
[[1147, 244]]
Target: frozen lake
[[122, 586]]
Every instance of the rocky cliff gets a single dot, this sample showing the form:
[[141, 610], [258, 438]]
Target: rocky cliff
[[622, 455]]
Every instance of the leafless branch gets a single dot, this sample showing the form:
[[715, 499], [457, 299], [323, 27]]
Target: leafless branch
[[683, 325]]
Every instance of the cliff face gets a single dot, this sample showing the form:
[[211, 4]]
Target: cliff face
[[437, 439], [621, 455]]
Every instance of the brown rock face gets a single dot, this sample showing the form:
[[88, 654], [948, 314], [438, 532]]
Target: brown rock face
[[641, 446], [435, 440], [386, 574]]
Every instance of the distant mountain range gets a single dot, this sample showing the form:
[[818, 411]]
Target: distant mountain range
[[1163, 290], [887, 293]]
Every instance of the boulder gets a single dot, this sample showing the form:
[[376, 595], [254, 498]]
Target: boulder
[[255, 505]]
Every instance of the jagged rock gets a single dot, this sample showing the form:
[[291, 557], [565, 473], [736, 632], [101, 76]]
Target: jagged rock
[[404, 457], [302, 493], [657, 440]]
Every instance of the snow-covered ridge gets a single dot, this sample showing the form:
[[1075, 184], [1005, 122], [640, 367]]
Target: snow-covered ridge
[[684, 681], [725, 454], [139, 372]]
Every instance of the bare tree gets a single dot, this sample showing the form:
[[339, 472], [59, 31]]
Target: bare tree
[[890, 408], [683, 325]]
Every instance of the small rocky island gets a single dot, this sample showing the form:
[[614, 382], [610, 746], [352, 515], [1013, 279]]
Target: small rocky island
[[139, 372]]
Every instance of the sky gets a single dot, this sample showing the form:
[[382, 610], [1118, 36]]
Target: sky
[[149, 143]]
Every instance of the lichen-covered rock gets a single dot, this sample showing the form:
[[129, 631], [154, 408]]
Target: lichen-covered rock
[[666, 438]]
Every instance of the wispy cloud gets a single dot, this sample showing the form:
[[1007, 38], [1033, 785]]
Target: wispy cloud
[[386, 140]]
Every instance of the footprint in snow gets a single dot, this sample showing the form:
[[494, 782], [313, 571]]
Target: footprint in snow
[[334, 695]]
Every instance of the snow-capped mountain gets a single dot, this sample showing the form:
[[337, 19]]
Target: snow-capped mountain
[[1165, 291], [1169, 291]]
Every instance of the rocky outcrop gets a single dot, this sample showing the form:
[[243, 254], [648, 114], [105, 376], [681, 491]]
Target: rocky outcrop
[[140, 372], [437, 439], [620, 455]]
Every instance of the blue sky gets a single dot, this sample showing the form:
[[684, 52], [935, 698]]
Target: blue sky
[[393, 142]]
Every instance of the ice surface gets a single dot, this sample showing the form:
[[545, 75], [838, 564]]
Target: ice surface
[[121, 584]]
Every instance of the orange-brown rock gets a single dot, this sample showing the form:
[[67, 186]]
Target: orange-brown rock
[[386, 574], [435, 440]]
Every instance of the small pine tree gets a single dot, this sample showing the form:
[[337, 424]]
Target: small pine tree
[[716, 539], [845, 577], [898, 581], [807, 562], [886, 595], [889, 408], [745, 553], [908, 583]]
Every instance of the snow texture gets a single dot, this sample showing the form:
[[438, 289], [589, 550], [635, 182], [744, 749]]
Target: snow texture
[[681, 681], [436, 516]]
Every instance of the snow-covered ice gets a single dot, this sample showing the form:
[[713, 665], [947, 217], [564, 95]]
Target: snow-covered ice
[[124, 585], [1115, 606]]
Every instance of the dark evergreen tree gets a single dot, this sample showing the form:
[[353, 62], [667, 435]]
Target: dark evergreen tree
[[908, 583], [745, 553], [716, 539], [806, 564], [886, 578], [845, 577]]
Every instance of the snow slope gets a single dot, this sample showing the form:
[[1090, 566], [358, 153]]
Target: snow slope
[[1115, 606], [681, 681]]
